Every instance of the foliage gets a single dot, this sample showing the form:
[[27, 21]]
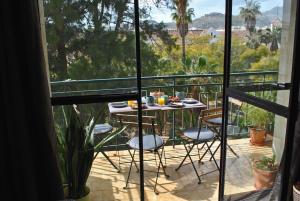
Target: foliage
[[199, 65], [259, 118], [270, 38], [268, 63], [76, 150], [249, 13], [252, 41], [95, 39], [267, 164], [182, 16]]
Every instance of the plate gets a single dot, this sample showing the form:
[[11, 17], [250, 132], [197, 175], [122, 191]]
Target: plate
[[119, 104], [176, 105], [135, 107], [190, 101]]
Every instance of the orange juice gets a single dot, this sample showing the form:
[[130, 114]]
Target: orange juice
[[161, 101], [130, 102]]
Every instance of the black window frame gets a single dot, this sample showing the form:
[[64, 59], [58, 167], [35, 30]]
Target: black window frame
[[135, 95], [240, 93], [228, 91]]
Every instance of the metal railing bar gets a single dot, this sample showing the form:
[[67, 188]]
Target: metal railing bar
[[170, 77]]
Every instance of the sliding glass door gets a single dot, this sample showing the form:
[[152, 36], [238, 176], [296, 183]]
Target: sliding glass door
[[260, 105], [93, 55]]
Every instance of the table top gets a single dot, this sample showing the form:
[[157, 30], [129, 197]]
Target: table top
[[156, 107]]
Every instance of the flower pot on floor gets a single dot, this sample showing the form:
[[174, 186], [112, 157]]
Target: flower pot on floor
[[85, 197], [263, 178], [296, 191], [257, 136]]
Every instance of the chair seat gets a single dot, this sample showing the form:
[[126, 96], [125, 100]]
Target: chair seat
[[102, 129], [148, 142], [217, 121], [205, 134]]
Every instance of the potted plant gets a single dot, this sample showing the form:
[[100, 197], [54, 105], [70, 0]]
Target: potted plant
[[296, 191], [76, 152], [264, 170], [259, 122]]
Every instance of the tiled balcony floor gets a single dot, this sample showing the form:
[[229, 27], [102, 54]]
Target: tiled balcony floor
[[106, 184]]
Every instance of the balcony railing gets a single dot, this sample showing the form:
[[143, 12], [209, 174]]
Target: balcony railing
[[81, 87], [205, 87]]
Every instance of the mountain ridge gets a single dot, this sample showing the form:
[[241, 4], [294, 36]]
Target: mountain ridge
[[217, 20]]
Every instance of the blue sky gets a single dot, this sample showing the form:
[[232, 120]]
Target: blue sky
[[202, 7]]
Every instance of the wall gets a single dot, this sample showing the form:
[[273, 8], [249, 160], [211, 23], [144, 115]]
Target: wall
[[285, 71]]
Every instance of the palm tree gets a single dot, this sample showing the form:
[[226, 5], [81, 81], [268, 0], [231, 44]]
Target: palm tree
[[249, 13], [182, 16], [270, 38]]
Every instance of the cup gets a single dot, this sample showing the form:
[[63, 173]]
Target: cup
[[161, 101], [180, 94], [144, 99], [150, 100], [166, 98], [130, 102]]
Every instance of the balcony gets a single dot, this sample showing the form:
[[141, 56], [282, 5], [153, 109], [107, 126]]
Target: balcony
[[74, 58], [106, 184]]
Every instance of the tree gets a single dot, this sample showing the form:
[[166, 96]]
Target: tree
[[249, 13], [182, 16], [63, 25], [275, 39], [95, 39], [253, 41], [270, 38]]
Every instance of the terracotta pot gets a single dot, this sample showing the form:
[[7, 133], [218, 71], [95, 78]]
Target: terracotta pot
[[84, 198], [296, 192], [263, 178], [257, 136]]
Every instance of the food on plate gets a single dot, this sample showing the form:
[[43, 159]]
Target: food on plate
[[157, 94], [174, 99], [176, 104]]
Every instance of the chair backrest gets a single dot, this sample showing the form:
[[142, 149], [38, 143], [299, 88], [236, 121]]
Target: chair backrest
[[235, 108], [211, 114], [206, 115], [148, 122], [131, 120]]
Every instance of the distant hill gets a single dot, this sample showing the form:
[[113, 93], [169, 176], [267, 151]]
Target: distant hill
[[217, 20]]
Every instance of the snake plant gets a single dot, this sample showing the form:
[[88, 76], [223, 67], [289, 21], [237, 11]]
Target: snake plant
[[76, 150]]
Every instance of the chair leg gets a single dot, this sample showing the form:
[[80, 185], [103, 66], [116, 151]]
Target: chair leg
[[199, 152], [157, 173], [232, 150], [110, 161], [164, 156], [208, 147], [188, 151], [132, 161], [155, 158], [207, 150], [214, 153], [132, 158], [229, 147], [162, 165]]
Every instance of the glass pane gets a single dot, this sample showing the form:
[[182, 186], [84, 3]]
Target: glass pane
[[262, 46], [183, 57], [256, 136], [90, 45], [106, 174]]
